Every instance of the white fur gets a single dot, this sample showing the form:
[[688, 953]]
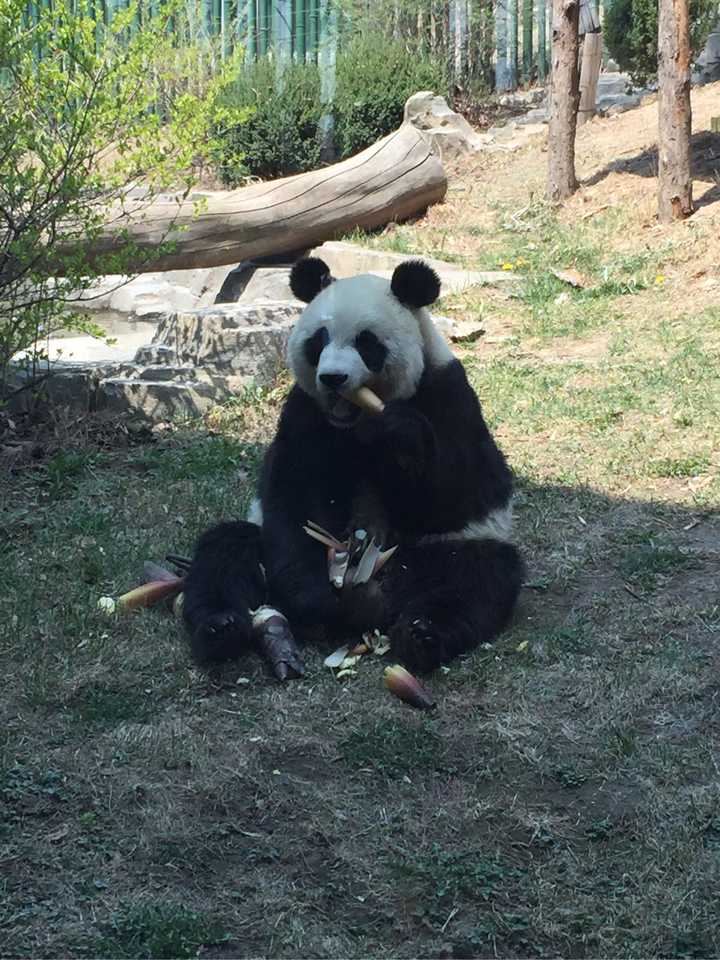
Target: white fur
[[437, 349], [263, 614], [366, 302], [497, 525]]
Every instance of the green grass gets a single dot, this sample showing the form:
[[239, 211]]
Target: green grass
[[394, 749], [646, 564], [446, 875], [157, 931]]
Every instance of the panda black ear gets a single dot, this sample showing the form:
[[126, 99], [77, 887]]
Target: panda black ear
[[308, 277], [415, 284]]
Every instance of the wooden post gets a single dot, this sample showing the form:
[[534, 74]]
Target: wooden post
[[589, 75], [512, 8], [527, 40], [313, 24], [251, 49], [326, 60], [675, 114], [299, 31], [564, 100], [502, 75], [542, 63], [263, 27], [282, 35]]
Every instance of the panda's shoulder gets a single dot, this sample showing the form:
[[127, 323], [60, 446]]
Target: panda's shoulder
[[446, 381]]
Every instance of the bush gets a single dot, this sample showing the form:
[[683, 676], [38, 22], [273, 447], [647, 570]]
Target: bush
[[375, 76], [280, 135], [631, 28], [81, 119]]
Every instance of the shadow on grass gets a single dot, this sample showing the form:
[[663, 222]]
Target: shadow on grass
[[705, 162]]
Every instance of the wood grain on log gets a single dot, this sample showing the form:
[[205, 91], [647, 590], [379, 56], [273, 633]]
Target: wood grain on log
[[396, 178]]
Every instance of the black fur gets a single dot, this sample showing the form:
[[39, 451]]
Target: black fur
[[315, 345], [372, 351], [308, 277], [224, 583], [431, 467], [415, 284]]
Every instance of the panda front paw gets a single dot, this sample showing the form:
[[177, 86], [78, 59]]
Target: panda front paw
[[219, 636], [407, 435], [420, 644]]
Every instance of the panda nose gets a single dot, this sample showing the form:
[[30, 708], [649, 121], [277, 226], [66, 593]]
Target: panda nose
[[333, 380]]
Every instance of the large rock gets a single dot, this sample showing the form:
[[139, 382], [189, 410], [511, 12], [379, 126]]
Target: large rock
[[240, 339], [165, 394], [707, 66], [197, 358], [449, 132], [346, 259], [268, 283], [154, 294]]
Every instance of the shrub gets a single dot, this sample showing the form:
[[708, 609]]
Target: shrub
[[81, 119], [375, 76], [280, 135], [631, 30]]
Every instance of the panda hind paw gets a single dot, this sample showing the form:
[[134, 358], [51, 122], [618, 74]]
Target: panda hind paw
[[224, 635], [419, 644]]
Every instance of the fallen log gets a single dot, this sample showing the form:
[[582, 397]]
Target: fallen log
[[396, 178]]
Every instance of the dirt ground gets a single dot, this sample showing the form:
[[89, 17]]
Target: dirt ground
[[564, 799]]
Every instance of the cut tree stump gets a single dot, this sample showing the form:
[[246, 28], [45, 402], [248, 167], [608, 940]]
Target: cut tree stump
[[398, 177]]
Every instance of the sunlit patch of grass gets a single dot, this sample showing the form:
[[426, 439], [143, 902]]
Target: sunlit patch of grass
[[690, 466]]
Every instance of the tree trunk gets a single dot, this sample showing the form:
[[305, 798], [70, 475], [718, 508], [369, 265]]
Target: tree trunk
[[564, 100], [589, 75], [396, 178], [675, 115]]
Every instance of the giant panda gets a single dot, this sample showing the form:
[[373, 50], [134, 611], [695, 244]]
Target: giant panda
[[425, 474]]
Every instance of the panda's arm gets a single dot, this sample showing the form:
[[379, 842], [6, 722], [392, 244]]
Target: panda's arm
[[437, 448], [299, 484]]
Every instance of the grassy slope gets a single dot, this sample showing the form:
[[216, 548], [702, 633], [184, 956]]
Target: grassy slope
[[564, 799]]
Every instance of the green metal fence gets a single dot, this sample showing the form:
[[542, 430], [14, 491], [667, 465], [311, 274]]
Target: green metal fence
[[291, 29]]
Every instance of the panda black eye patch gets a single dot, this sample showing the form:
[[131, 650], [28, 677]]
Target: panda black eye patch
[[315, 345], [372, 351]]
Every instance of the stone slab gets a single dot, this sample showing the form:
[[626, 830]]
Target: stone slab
[[346, 259]]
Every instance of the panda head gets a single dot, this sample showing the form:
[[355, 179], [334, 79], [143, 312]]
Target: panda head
[[361, 331]]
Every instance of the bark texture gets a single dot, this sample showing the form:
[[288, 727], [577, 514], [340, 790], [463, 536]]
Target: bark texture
[[675, 115], [564, 100], [398, 177]]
